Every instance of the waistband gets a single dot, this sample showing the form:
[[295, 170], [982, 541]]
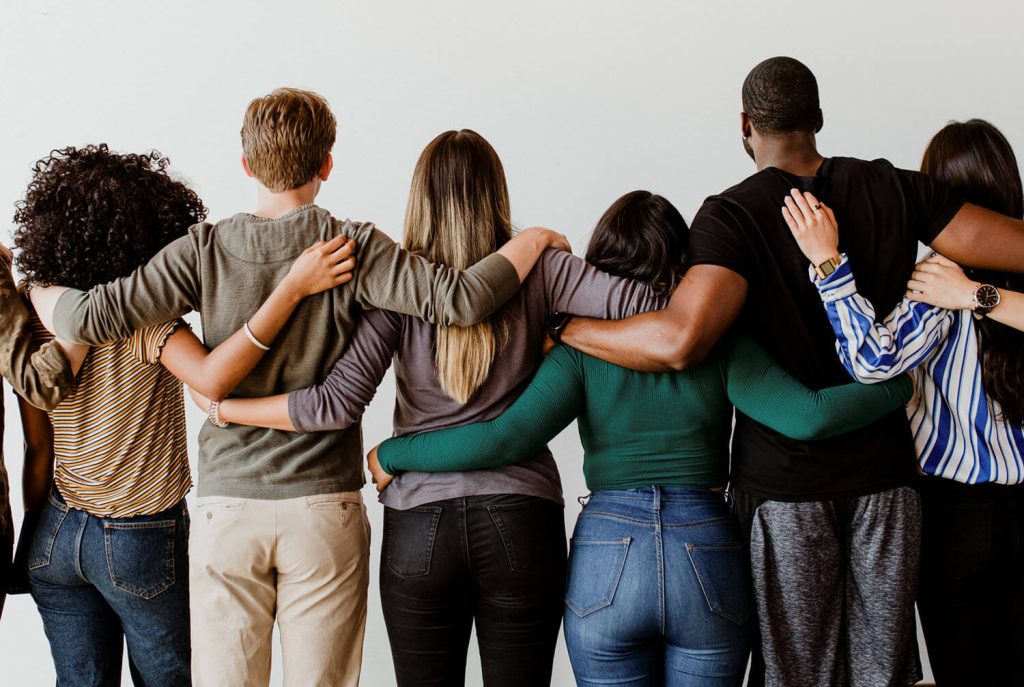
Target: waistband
[[654, 496]]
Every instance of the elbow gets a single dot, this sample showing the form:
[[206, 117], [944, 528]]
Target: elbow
[[682, 350]]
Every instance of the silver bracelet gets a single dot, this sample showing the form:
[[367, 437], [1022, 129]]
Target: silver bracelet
[[255, 342], [213, 414]]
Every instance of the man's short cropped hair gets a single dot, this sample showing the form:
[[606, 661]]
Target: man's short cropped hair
[[286, 137], [780, 96]]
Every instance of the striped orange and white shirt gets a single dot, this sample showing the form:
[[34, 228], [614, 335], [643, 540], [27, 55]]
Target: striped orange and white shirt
[[119, 439]]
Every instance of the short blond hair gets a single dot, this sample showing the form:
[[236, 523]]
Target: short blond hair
[[286, 137]]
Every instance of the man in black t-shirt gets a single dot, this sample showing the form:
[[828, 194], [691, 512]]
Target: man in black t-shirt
[[834, 526]]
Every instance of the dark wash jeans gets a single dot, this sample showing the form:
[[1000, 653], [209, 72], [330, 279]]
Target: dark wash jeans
[[496, 560], [101, 581], [659, 590], [971, 589]]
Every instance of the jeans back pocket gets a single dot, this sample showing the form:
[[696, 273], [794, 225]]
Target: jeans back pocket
[[140, 556], [595, 568], [50, 520], [724, 577], [409, 539]]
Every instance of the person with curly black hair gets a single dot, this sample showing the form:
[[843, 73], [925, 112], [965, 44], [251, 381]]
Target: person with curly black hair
[[108, 562]]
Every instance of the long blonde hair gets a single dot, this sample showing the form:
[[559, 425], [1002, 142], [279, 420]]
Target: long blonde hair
[[458, 214]]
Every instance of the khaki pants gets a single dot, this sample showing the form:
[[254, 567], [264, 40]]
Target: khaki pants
[[305, 560]]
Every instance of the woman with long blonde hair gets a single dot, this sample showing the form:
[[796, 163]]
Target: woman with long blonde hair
[[463, 548]]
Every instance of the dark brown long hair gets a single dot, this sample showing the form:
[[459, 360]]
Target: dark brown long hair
[[641, 236], [975, 158]]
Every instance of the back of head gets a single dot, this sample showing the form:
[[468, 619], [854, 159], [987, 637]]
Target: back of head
[[286, 137], [641, 236], [459, 213], [90, 216], [780, 96], [974, 158]]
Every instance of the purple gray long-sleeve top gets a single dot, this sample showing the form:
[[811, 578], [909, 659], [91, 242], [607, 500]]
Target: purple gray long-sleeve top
[[560, 282]]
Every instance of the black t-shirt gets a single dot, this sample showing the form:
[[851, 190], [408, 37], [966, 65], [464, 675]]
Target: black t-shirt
[[882, 213]]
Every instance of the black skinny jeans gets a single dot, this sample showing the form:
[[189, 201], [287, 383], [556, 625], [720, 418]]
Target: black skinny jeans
[[496, 560], [971, 592]]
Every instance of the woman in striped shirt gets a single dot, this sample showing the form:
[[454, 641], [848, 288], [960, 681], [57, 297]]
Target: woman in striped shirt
[[109, 558], [967, 414]]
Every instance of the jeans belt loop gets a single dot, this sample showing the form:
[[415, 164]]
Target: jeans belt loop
[[657, 498]]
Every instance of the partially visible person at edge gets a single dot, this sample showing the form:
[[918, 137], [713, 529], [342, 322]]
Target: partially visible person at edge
[[108, 470], [39, 373], [658, 589], [843, 506], [282, 533], [961, 334], [446, 565]]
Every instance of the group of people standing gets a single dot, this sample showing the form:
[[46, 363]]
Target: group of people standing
[[791, 304]]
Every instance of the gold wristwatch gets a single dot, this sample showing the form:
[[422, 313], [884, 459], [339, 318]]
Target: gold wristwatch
[[828, 267]]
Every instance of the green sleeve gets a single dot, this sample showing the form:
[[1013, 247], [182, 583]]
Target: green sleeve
[[552, 400], [391, 278], [38, 372], [163, 289], [766, 392]]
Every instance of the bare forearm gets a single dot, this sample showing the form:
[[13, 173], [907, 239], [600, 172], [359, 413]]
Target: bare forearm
[[38, 472], [270, 412], [704, 305], [983, 239], [1010, 310]]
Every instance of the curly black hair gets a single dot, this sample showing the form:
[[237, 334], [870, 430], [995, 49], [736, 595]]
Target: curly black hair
[[780, 95], [90, 216]]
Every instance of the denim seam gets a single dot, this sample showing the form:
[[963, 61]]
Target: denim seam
[[435, 512], [168, 557], [739, 620], [624, 543], [37, 564]]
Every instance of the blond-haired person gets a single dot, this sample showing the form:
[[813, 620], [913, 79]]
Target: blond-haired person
[[484, 547], [280, 531]]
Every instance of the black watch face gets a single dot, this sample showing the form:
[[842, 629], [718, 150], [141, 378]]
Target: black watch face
[[987, 296]]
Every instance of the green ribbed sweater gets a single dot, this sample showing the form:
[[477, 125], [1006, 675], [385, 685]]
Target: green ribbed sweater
[[640, 429]]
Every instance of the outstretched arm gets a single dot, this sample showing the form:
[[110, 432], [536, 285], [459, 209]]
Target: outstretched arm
[[392, 278], [984, 239], [941, 283], [765, 391], [215, 373], [551, 401], [707, 300], [336, 403]]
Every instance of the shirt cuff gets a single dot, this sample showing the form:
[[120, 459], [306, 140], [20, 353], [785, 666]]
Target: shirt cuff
[[839, 284]]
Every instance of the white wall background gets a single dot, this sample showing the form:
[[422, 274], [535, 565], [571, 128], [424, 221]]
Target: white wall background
[[583, 99]]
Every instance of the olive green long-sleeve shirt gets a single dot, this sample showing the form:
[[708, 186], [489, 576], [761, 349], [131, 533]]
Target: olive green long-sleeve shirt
[[225, 271]]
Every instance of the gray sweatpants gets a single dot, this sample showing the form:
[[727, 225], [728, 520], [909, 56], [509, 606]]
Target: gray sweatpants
[[835, 583]]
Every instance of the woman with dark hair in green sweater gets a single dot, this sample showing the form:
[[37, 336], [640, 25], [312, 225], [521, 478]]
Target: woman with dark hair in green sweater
[[658, 589]]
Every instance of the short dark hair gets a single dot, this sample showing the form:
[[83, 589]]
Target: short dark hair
[[641, 236], [90, 216], [975, 159], [780, 95]]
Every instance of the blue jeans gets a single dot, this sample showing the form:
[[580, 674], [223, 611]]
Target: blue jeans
[[659, 590], [101, 581]]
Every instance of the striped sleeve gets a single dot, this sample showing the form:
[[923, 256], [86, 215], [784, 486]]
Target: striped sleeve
[[147, 344], [875, 351]]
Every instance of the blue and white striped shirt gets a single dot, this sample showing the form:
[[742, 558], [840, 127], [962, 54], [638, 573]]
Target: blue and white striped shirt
[[958, 430]]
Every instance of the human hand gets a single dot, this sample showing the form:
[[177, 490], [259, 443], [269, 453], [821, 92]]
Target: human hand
[[548, 345], [202, 401], [378, 476], [322, 266], [813, 225], [940, 282], [550, 238]]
